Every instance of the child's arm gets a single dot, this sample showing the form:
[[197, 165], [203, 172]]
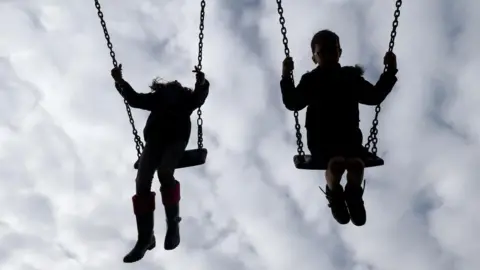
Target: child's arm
[[134, 99], [376, 94], [294, 98], [199, 94]]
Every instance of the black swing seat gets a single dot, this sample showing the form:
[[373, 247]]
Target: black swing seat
[[190, 158], [193, 157], [308, 162]]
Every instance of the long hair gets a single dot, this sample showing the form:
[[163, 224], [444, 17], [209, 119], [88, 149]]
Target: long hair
[[168, 87]]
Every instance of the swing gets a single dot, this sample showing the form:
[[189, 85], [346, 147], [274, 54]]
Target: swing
[[370, 158], [192, 157]]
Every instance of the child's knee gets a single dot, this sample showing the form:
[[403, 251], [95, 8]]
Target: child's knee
[[166, 177], [355, 165], [143, 185], [337, 165]]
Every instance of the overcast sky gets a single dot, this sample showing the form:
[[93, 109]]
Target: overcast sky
[[67, 150]]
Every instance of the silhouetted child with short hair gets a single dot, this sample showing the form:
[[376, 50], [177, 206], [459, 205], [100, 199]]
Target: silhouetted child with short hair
[[332, 95], [166, 133]]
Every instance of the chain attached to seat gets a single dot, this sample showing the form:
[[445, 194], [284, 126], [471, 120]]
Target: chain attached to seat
[[137, 139]]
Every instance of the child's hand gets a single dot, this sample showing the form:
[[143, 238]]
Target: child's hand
[[390, 60], [288, 66], [117, 73], [199, 75]]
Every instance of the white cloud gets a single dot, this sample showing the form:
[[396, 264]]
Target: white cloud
[[67, 150]]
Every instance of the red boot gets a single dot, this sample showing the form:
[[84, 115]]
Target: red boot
[[171, 200], [143, 207]]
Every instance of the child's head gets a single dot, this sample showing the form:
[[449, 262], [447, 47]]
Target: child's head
[[326, 48]]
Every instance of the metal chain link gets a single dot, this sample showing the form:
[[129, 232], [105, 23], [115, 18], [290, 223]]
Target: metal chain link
[[137, 139], [199, 65], [287, 54], [372, 138]]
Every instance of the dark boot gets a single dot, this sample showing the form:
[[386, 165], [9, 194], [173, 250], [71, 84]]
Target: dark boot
[[354, 199], [143, 207], [336, 202], [171, 202]]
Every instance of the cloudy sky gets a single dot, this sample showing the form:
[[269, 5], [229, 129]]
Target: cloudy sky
[[67, 151]]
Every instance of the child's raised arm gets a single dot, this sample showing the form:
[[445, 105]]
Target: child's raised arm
[[134, 99], [199, 94], [375, 94]]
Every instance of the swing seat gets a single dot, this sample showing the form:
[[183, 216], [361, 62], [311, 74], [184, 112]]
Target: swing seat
[[190, 158], [193, 157], [309, 162]]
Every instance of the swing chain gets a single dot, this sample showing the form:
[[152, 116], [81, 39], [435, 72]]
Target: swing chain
[[372, 138], [137, 139], [199, 65], [298, 132]]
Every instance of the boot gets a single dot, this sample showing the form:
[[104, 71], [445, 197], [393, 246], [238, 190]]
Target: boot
[[171, 201], [356, 207], [143, 207], [336, 202]]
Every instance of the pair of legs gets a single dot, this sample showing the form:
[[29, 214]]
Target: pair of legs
[[343, 151], [337, 167], [346, 204], [160, 158], [163, 159]]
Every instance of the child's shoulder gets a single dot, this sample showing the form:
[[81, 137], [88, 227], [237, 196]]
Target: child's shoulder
[[309, 74], [356, 70]]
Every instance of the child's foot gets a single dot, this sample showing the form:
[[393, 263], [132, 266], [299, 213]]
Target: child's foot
[[336, 202], [144, 206], [171, 201], [356, 207], [172, 237]]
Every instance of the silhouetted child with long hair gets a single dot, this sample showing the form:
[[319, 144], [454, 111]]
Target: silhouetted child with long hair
[[166, 134], [332, 95]]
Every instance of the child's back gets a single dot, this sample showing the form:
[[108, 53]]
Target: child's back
[[166, 133], [171, 106]]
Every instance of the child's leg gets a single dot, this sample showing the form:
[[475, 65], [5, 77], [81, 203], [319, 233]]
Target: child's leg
[[333, 174], [334, 191], [355, 168], [144, 204], [147, 165], [170, 157], [170, 190], [354, 191]]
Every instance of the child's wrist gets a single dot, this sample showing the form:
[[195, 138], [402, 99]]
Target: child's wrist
[[392, 71]]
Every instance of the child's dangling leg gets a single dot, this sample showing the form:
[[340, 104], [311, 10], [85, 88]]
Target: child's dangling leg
[[354, 191], [334, 191], [335, 170], [170, 191], [144, 204]]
